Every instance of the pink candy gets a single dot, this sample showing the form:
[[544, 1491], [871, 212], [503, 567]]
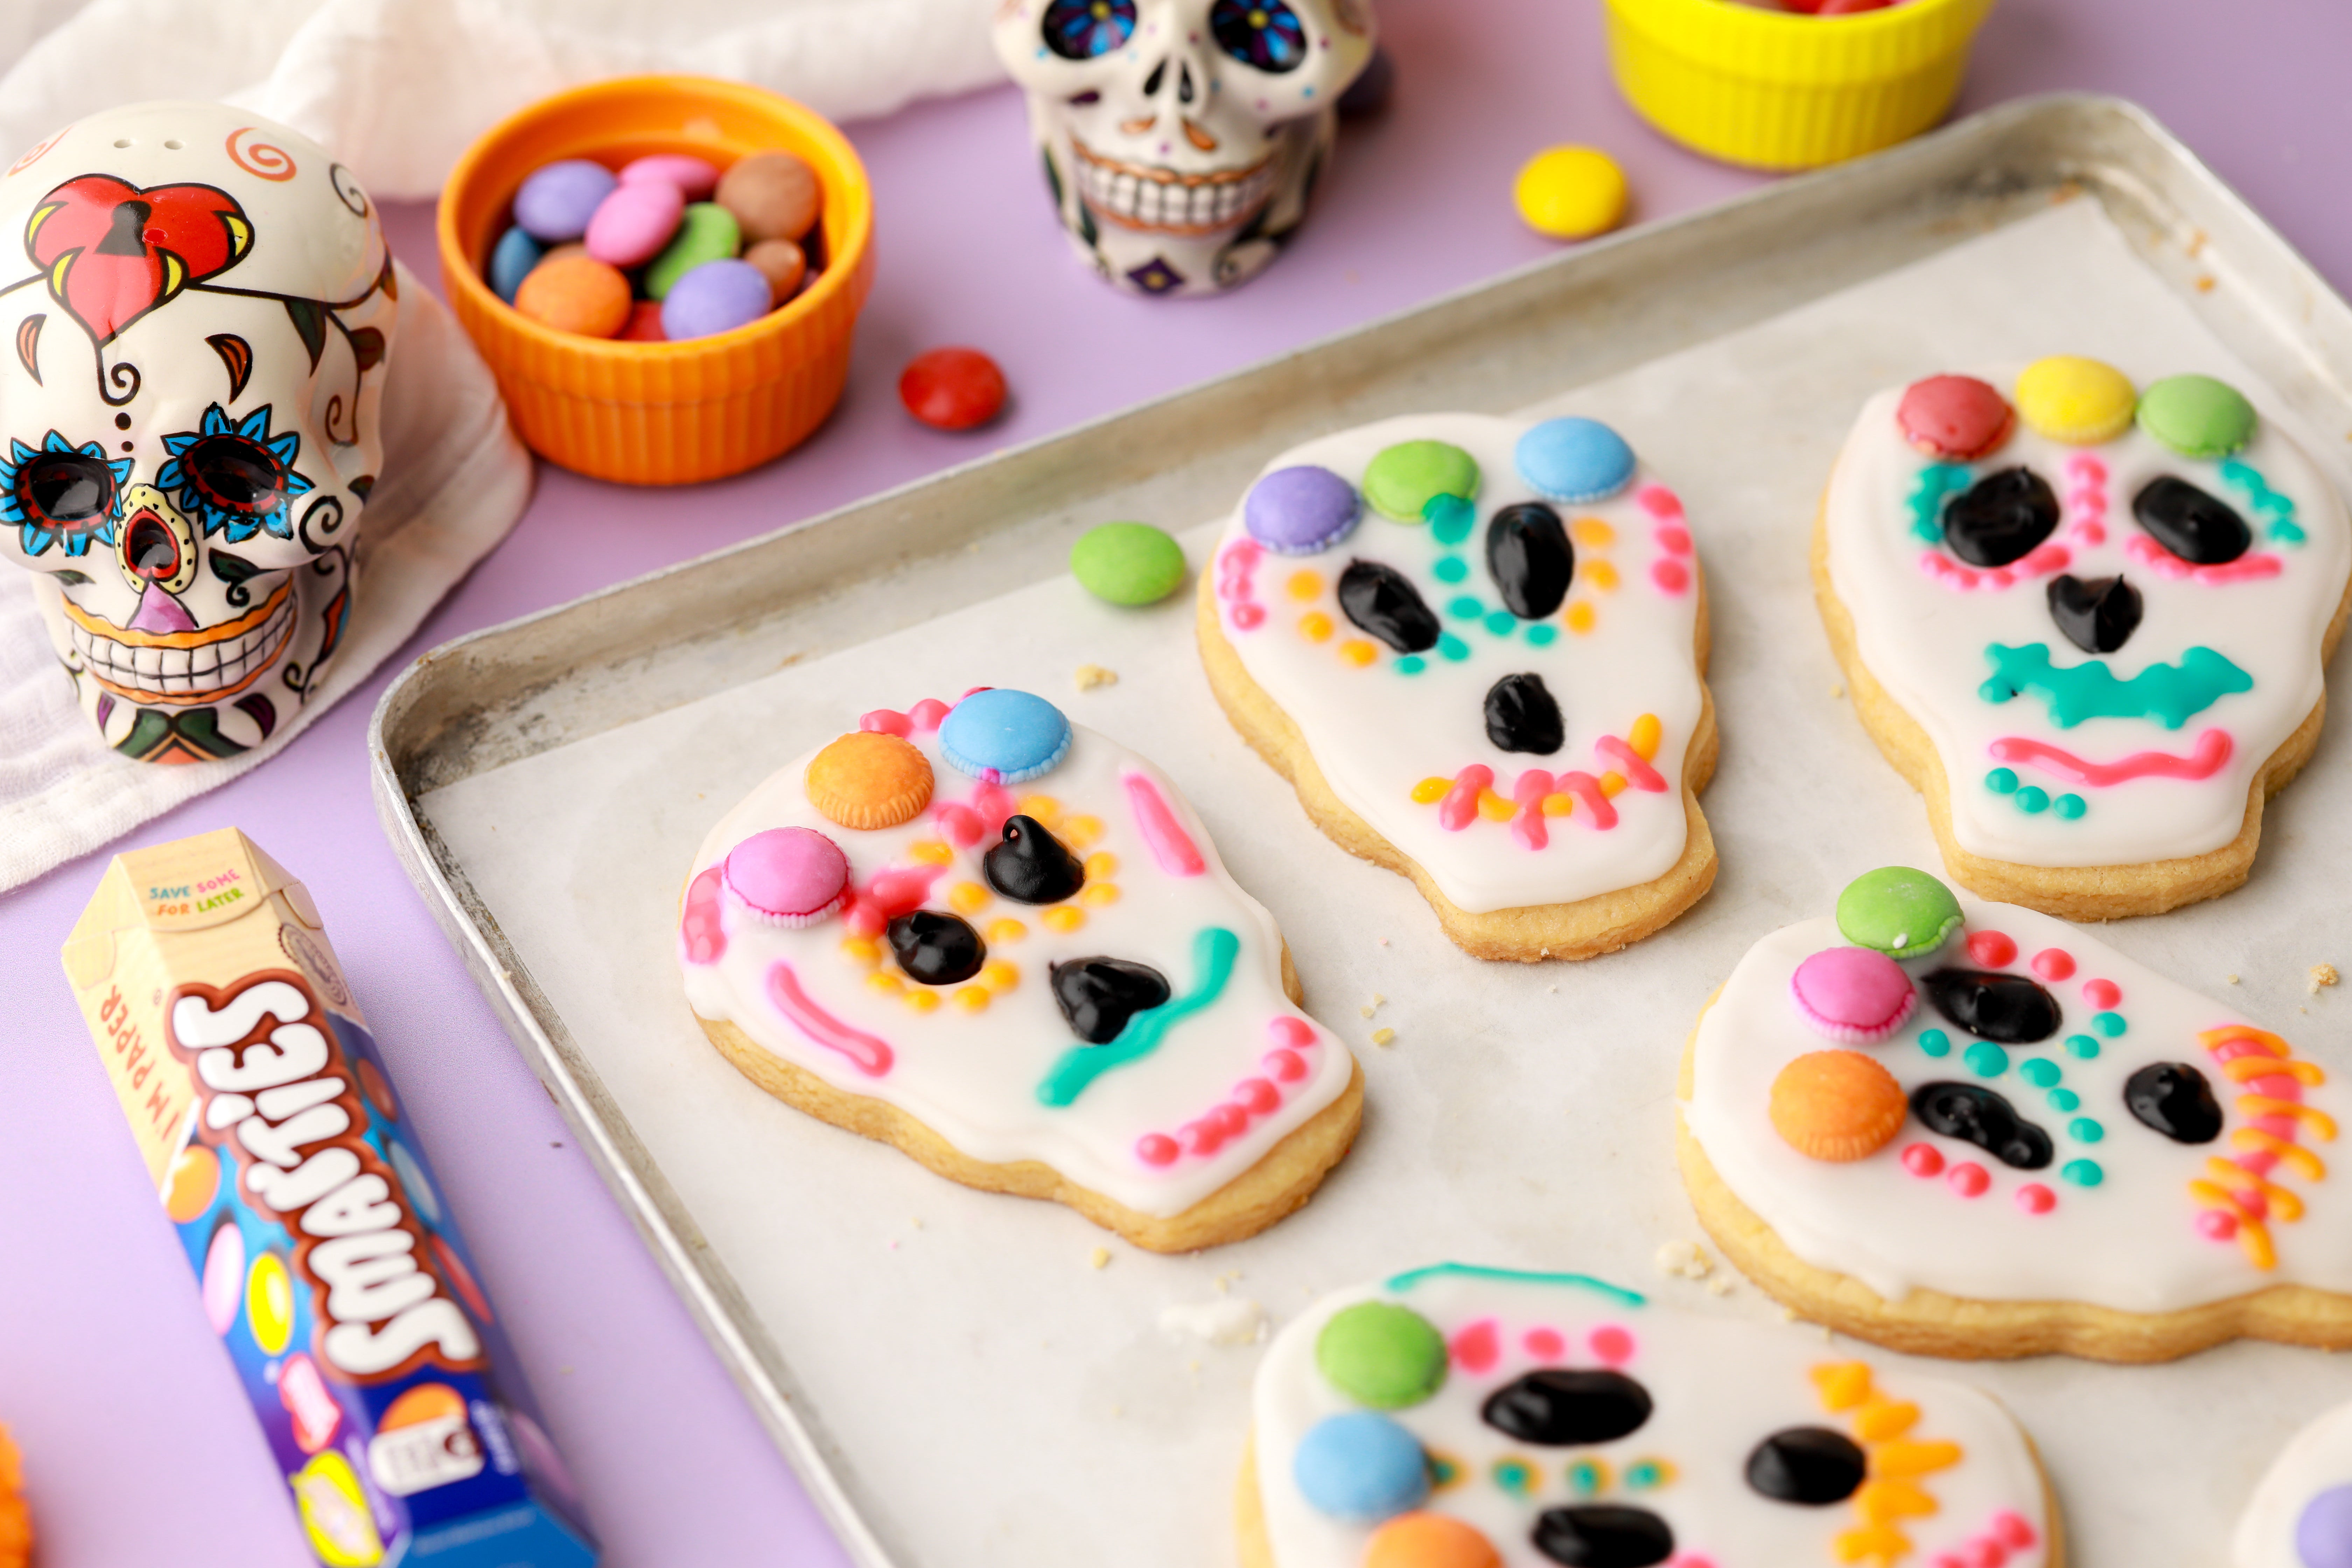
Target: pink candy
[[630, 226], [693, 178], [788, 876], [1853, 995]]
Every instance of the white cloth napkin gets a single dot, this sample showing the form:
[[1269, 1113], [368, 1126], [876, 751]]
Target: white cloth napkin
[[455, 480], [399, 87]]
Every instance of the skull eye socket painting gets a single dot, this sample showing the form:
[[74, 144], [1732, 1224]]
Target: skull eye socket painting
[[1968, 1129], [2087, 620], [200, 322], [1481, 1417]]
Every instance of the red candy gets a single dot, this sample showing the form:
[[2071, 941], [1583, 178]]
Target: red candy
[[644, 325], [1948, 416], [1991, 949], [952, 389]]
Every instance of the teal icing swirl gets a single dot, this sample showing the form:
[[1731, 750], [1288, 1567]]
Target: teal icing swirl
[[2171, 694], [1410, 1278], [1936, 481], [1214, 949]]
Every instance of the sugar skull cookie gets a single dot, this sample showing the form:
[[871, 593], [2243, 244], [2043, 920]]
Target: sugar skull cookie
[[2301, 1514], [1466, 1417], [2087, 621], [1476, 647], [1005, 944], [1971, 1130]]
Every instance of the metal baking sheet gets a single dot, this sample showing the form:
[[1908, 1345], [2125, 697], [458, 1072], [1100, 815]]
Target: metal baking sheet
[[954, 1381]]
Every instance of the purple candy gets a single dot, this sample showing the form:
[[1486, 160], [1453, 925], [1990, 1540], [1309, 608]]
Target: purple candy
[[2323, 1536], [556, 202], [1297, 512], [715, 297]]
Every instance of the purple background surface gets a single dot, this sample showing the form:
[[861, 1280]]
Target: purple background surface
[[139, 1449]]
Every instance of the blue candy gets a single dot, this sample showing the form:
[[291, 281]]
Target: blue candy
[[558, 199], [1361, 1467], [512, 261], [1011, 733], [718, 295], [1574, 460], [2323, 1534]]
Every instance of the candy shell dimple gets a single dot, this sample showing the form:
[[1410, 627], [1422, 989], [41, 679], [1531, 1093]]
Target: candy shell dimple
[[789, 876], [715, 297], [1902, 913], [2081, 402], [1574, 460], [632, 225], [773, 196], [512, 260], [952, 388], [1013, 734], [1837, 1106], [1128, 562], [1430, 1540], [1404, 479], [575, 294], [1571, 193], [1301, 510], [2323, 1531], [705, 232], [1954, 416], [783, 263], [1382, 1354], [269, 1304], [868, 780], [693, 178], [224, 1280], [555, 203], [2197, 415], [1360, 1466], [1853, 995]]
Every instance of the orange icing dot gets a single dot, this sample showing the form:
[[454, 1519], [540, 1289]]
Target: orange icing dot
[[931, 852], [1593, 533], [1081, 831], [972, 998], [1837, 1105], [1098, 894], [1601, 576], [1844, 1385], [999, 976], [921, 998], [1559, 805], [1358, 652], [1579, 618], [1645, 736], [1044, 808], [1063, 918], [1006, 930], [868, 780], [1303, 584], [1314, 626], [1101, 865], [968, 897], [1430, 791]]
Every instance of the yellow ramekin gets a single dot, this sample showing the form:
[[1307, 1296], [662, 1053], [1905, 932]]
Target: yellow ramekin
[[1774, 90], [662, 414]]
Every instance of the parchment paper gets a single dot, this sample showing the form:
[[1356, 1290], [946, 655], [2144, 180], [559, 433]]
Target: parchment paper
[[1012, 1404]]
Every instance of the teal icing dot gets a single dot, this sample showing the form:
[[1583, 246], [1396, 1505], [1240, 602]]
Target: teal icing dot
[[1465, 608], [2070, 806], [2082, 1130], [2065, 1099], [2001, 781], [2033, 800], [1502, 623], [2041, 1072], [1986, 1059], [1935, 1042], [2109, 1024], [1515, 1476], [1452, 647], [1412, 664], [1641, 1476], [1451, 518], [1542, 634], [1584, 1477], [1450, 569], [2082, 1172], [2082, 1047]]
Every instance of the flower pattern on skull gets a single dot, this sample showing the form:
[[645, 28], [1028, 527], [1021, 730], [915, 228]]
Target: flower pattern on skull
[[62, 493], [235, 477]]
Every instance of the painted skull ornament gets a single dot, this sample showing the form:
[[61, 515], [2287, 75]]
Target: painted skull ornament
[[197, 335], [1183, 138]]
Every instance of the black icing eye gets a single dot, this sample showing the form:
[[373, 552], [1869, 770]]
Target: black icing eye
[[1263, 33], [1528, 556], [1380, 600], [2202, 530], [1523, 716], [1087, 29], [2007, 1009], [2098, 616], [935, 947], [1098, 995], [1556, 1407], [2174, 1099], [1977, 1115], [65, 488], [1603, 1535], [1808, 1464], [1032, 866], [2001, 517]]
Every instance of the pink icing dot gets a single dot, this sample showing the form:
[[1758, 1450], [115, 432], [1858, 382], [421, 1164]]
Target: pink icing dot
[[2035, 1198], [2014, 1530], [1289, 1031], [1984, 1552], [1673, 540], [1258, 1096], [1205, 1136], [2090, 532], [1545, 1345], [2102, 992], [1248, 616], [1156, 1149], [1855, 995], [1968, 1179], [1659, 501], [788, 876], [2054, 964], [1923, 1160], [2216, 1225], [1946, 1560], [1612, 1344], [1991, 949], [885, 721], [1475, 1348], [928, 713], [1231, 1118], [1670, 575], [1285, 1067]]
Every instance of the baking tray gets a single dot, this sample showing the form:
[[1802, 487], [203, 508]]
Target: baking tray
[[1584, 1177]]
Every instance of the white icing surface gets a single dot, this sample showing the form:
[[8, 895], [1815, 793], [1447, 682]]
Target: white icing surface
[[1720, 1387], [972, 1077], [1376, 734], [2130, 1242], [2317, 1458], [1925, 640]]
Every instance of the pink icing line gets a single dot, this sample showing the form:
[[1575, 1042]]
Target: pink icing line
[[889, 895], [1235, 568], [701, 936], [866, 1054], [1638, 773], [1460, 807], [1252, 1098], [2041, 561], [1587, 790], [1177, 854], [2206, 758], [1528, 826], [921, 719], [2165, 563]]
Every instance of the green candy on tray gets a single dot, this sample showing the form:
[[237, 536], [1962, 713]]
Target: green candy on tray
[[1128, 562]]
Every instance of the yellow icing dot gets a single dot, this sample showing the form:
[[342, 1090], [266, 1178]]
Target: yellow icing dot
[[1063, 918], [1883, 1502], [1881, 1543], [2081, 402], [862, 950], [1098, 894], [1081, 831], [999, 976], [921, 998], [1611, 784], [1592, 533], [1643, 737], [1843, 1384], [967, 897], [1494, 808], [1102, 864], [1601, 576], [885, 982], [1006, 929], [1314, 626], [1358, 652], [1559, 805], [1902, 1458], [931, 852], [1430, 791], [972, 998], [1579, 618], [1883, 1419], [1303, 584], [1044, 808]]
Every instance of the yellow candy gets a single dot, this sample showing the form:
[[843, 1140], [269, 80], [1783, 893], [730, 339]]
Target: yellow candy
[[2078, 401], [269, 1304], [1571, 193]]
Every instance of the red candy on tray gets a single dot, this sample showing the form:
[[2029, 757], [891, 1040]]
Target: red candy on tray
[[952, 388]]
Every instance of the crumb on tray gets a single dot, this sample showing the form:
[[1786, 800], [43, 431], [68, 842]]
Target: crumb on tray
[[1098, 1258], [2324, 976], [1092, 675]]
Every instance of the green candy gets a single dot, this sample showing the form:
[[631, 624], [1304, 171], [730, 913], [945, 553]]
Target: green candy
[[1404, 479], [1383, 1355], [1128, 562], [2197, 415], [1901, 912], [707, 233]]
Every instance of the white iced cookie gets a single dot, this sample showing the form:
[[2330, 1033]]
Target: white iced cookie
[[1475, 646], [2089, 627], [1967, 1129], [2301, 1514], [1005, 944], [1465, 1417]]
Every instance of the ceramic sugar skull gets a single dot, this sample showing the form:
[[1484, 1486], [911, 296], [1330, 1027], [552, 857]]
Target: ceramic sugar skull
[[198, 326], [1183, 138]]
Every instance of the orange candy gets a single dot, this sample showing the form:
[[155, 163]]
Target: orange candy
[[1837, 1105], [783, 263], [868, 780], [575, 294], [1430, 1540], [15, 1519], [193, 1179]]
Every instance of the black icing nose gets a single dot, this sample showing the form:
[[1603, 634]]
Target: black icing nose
[[2097, 616]]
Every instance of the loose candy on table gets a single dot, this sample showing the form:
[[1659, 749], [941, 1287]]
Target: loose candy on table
[[512, 260], [556, 201], [1571, 193], [715, 297], [575, 294], [773, 196], [1301, 510], [631, 226], [1128, 562], [693, 178], [783, 263], [952, 388], [705, 232]]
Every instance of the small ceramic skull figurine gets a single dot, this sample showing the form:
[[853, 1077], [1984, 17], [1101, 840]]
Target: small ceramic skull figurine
[[196, 335], [1183, 138]]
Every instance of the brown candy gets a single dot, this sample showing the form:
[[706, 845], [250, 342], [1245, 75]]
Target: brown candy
[[784, 264], [773, 196]]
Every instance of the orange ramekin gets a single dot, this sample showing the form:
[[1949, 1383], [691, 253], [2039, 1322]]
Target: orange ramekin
[[662, 414]]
